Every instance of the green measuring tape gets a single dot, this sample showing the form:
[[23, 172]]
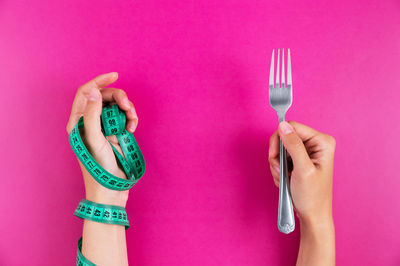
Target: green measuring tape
[[102, 213], [80, 259], [113, 123]]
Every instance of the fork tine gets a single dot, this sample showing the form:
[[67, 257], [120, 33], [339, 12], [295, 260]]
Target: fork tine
[[283, 69], [271, 70], [277, 71], [289, 70]]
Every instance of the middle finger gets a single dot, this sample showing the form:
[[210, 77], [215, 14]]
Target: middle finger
[[120, 97]]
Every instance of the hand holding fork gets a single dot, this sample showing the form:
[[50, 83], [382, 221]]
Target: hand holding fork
[[280, 98]]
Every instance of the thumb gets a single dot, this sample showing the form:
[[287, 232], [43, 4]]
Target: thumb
[[294, 146], [91, 118]]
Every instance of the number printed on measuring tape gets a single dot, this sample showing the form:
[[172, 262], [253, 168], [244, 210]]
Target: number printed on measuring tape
[[102, 213]]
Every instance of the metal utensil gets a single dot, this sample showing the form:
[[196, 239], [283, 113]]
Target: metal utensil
[[280, 98]]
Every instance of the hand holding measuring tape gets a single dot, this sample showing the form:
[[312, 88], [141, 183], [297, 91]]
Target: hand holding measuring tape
[[88, 104], [99, 147]]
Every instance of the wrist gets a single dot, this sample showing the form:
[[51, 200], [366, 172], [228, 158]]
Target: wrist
[[317, 228], [115, 198], [317, 241]]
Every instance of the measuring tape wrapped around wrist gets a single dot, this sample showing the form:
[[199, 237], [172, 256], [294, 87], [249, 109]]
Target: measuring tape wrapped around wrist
[[113, 123], [102, 213]]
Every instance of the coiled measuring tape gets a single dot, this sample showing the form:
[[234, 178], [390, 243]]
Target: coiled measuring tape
[[113, 123]]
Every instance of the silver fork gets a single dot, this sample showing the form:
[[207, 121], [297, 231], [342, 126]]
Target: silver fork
[[280, 98]]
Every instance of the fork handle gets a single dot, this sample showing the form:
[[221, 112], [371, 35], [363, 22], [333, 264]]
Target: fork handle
[[285, 207]]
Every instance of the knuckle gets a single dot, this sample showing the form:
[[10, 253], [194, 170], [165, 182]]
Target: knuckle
[[79, 90], [84, 89], [270, 159], [330, 140], [121, 93], [327, 141], [297, 144]]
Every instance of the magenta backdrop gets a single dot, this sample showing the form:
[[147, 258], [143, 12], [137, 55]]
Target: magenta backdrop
[[197, 72]]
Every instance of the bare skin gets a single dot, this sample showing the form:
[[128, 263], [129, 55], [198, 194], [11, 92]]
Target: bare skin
[[102, 244], [312, 154]]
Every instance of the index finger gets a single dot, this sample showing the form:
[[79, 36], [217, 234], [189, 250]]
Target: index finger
[[79, 104], [304, 132]]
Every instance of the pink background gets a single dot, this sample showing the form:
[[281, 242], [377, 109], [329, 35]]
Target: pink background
[[197, 72]]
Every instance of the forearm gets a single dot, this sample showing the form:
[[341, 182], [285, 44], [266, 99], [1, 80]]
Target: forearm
[[106, 113], [104, 244], [317, 243]]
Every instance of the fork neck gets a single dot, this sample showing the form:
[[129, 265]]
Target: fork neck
[[281, 117]]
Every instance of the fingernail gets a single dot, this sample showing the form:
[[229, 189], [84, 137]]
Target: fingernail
[[133, 112], [277, 168], [132, 127], [285, 128], [94, 95], [126, 102], [269, 150], [113, 74]]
